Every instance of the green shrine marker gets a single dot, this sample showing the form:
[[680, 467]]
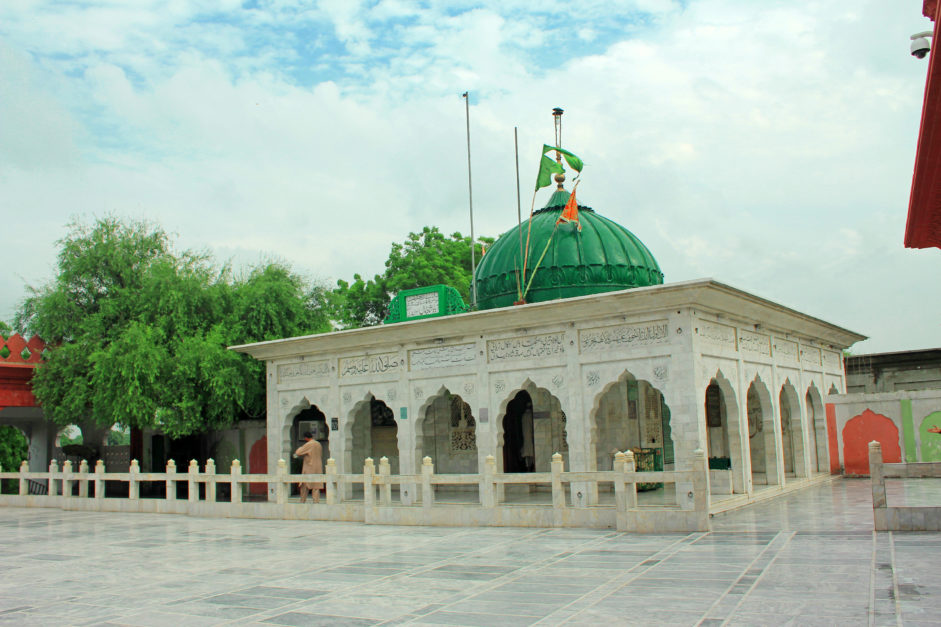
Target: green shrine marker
[[403, 413], [425, 302]]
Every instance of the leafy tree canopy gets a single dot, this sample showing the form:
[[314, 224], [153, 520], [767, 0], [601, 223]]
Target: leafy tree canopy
[[139, 332], [13, 448], [426, 258]]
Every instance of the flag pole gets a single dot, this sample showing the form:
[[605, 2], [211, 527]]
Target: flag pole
[[519, 214], [470, 198]]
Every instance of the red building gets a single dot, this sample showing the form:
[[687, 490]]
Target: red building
[[923, 228]]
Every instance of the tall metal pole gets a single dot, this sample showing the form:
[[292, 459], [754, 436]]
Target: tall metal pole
[[519, 214], [470, 197]]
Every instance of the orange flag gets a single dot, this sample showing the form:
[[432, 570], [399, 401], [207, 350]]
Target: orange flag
[[570, 213]]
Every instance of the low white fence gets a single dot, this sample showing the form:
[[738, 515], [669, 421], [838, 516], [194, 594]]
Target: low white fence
[[887, 518], [85, 490]]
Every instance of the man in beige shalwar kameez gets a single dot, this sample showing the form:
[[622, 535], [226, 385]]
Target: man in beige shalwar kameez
[[312, 452]]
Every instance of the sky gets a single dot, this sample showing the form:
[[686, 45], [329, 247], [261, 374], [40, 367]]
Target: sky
[[768, 145]]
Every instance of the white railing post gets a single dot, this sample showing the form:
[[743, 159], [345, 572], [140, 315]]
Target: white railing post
[[171, 480], [877, 480], [83, 481], [210, 480], [67, 479], [385, 487], [24, 485], [133, 486], [427, 490], [701, 483], [99, 479], [620, 495], [192, 486], [280, 486], [369, 490], [332, 491], [488, 497], [236, 488], [558, 492], [53, 471], [630, 489]]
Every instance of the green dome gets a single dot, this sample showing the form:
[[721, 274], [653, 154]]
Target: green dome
[[603, 257]]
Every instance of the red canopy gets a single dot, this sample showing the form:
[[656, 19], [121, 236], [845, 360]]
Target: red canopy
[[923, 229]]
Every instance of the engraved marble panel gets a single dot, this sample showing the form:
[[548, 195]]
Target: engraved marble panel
[[526, 347], [832, 361], [623, 335], [715, 333], [421, 304], [810, 356], [785, 350], [442, 356], [757, 343], [304, 369], [371, 364]]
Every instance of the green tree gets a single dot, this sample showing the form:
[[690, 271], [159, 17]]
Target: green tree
[[13, 448], [139, 332], [426, 258]]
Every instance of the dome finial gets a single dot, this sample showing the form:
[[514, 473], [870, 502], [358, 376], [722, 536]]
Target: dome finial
[[557, 122]]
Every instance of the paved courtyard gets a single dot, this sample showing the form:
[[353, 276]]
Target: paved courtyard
[[808, 559]]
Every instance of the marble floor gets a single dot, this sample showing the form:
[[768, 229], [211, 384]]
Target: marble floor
[[810, 558]]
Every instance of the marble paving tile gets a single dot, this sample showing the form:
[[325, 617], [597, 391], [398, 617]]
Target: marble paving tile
[[805, 559]]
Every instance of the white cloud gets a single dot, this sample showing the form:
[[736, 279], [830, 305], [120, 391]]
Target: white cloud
[[768, 145]]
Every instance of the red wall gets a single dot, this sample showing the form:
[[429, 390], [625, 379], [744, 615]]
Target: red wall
[[258, 465], [832, 441], [859, 432]]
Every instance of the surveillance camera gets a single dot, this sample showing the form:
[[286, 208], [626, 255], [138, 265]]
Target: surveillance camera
[[920, 48]]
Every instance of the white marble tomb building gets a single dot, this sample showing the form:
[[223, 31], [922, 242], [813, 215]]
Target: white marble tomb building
[[671, 367]]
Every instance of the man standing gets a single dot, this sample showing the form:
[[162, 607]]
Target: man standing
[[312, 452]]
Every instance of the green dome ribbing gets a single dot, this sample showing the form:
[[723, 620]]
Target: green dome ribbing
[[603, 257]]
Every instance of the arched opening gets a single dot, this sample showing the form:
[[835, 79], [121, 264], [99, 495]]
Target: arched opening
[[761, 434], [447, 432], [532, 429], [792, 434], [817, 429], [631, 414], [723, 439], [309, 420], [373, 433], [314, 421], [717, 428], [519, 448]]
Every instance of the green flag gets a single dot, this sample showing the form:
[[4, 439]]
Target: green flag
[[574, 162], [547, 167]]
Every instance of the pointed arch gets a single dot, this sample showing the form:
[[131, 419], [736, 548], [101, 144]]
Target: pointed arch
[[290, 435], [628, 413], [548, 422], [761, 437], [446, 431], [792, 429], [370, 430], [719, 396], [816, 428]]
